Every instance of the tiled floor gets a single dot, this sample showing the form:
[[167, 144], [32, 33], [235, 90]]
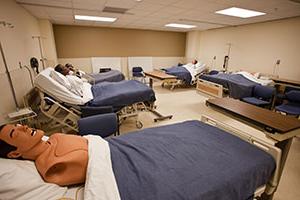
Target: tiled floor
[[186, 104]]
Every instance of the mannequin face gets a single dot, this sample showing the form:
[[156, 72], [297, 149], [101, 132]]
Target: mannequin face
[[66, 71], [22, 137]]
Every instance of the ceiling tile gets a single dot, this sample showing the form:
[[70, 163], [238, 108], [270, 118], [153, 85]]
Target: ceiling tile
[[58, 11], [86, 12], [59, 3], [149, 6], [121, 3], [154, 14], [88, 4]]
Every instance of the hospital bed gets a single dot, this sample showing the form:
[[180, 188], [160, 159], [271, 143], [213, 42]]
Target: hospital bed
[[127, 98], [184, 74], [238, 85], [189, 160], [109, 76]]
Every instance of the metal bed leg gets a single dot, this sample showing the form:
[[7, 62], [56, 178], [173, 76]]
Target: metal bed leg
[[160, 117]]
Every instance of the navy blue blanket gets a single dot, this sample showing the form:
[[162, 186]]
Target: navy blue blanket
[[180, 72], [238, 86], [189, 160], [110, 76], [123, 93]]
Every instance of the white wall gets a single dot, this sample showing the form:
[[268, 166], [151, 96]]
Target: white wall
[[255, 47], [19, 46]]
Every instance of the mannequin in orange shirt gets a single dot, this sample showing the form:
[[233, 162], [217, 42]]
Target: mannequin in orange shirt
[[62, 159]]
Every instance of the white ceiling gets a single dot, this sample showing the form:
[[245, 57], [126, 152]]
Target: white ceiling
[[154, 14]]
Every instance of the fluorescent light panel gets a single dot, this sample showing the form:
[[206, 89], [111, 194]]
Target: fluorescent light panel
[[180, 25], [239, 12], [95, 18]]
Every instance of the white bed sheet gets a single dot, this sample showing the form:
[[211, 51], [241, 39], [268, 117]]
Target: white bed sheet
[[195, 69], [254, 79], [53, 88]]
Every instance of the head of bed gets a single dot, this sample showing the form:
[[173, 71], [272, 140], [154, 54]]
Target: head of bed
[[51, 87]]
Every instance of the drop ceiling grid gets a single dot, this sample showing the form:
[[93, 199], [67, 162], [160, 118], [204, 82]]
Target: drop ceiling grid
[[154, 14]]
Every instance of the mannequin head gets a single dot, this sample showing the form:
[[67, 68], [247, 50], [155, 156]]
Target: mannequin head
[[62, 69], [21, 137]]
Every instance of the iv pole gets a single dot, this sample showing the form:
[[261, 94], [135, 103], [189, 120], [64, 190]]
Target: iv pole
[[41, 50], [226, 58], [9, 25], [9, 77]]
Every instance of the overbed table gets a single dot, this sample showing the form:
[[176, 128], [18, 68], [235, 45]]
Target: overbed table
[[160, 75], [286, 82], [276, 126]]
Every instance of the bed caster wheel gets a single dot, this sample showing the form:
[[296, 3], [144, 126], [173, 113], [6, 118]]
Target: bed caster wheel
[[139, 124]]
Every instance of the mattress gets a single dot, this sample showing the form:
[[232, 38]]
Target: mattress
[[238, 86], [110, 76], [123, 93], [189, 160]]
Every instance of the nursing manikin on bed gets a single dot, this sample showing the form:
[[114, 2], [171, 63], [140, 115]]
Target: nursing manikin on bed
[[187, 73], [188, 160], [239, 84], [115, 94]]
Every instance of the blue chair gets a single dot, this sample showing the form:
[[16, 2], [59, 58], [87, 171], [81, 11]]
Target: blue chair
[[138, 74], [102, 122], [261, 96], [292, 106]]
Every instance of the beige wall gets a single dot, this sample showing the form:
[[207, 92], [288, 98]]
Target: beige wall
[[18, 47], [79, 41], [255, 47]]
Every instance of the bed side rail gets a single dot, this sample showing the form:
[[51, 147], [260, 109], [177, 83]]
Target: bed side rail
[[59, 113], [274, 151], [210, 88]]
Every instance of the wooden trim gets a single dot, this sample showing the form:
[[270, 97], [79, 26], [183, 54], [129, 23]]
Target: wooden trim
[[210, 88]]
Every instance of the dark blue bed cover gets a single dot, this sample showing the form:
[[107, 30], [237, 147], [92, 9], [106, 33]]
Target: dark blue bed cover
[[180, 72], [110, 76], [190, 161], [122, 93], [238, 86]]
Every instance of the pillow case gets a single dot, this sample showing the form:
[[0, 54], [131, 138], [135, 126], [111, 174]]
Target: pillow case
[[20, 180]]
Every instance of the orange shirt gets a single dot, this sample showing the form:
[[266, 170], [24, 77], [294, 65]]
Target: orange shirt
[[65, 161]]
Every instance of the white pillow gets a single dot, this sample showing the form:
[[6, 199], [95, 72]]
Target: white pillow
[[19, 179], [61, 79]]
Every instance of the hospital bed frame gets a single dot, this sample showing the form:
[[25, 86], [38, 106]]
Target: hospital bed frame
[[63, 114], [179, 82], [267, 145], [167, 79]]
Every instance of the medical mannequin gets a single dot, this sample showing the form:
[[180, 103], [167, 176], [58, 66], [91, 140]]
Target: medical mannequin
[[62, 159]]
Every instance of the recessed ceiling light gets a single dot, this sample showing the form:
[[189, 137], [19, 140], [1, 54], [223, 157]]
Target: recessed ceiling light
[[239, 12], [180, 25], [95, 18]]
